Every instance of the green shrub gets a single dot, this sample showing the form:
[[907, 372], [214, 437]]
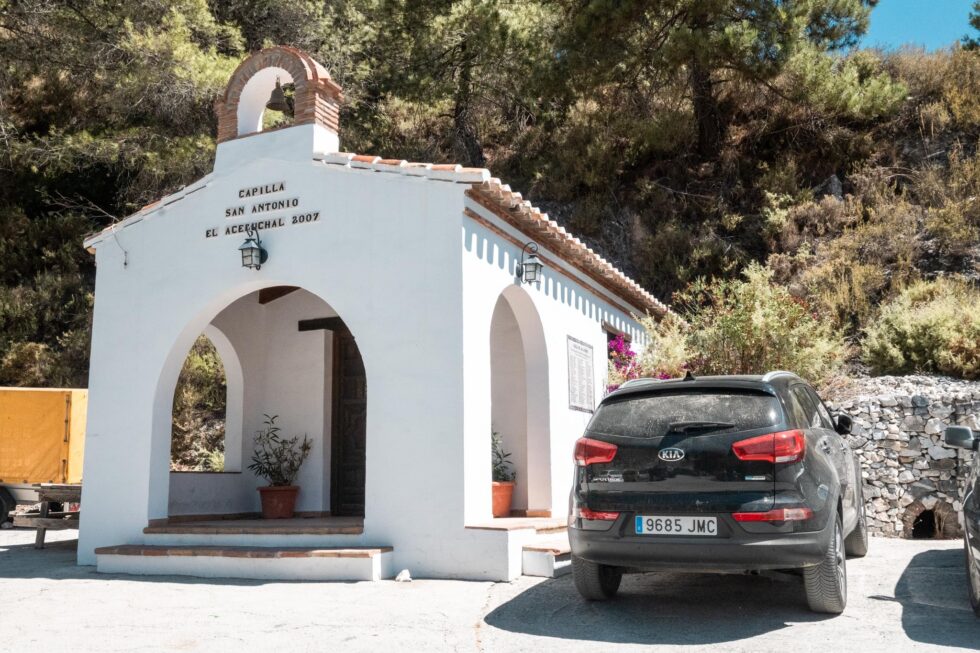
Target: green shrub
[[199, 410], [753, 325], [960, 87], [26, 364], [666, 352], [878, 247], [952, 193], [931, 326]]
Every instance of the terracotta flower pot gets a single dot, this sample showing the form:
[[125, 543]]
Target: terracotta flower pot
[[503, 491], [278, 501]]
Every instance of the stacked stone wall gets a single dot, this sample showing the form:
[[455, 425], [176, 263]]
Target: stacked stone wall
[[898, 438]]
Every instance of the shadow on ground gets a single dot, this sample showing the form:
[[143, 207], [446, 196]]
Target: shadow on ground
[[661, 608], [932, 591], [56, 561]]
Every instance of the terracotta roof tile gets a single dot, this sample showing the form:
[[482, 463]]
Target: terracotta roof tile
[[502, 201], [520, 213]]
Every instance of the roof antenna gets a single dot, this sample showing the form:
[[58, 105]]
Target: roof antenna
[[688, 376]]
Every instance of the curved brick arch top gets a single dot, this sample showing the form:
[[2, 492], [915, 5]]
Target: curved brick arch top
[[317, 97]]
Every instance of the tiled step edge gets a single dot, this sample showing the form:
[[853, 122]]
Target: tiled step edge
[[261, 563], [241, 551], [214, 529]]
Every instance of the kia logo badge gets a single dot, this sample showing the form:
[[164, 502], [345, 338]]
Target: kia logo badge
[[671, 454]]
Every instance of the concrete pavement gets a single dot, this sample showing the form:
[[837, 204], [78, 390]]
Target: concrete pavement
[[905, 596]]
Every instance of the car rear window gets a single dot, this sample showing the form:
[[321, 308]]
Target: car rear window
[[651, 416]]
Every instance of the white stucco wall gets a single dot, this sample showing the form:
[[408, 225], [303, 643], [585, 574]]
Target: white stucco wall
[[564, 303], [385, 255], [415, 280]]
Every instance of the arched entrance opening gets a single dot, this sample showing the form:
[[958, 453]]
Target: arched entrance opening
[[930, 518], [197, 441], [519, 399], [924, 526], [284, 352]]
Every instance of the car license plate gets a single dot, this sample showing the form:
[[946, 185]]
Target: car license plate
[[650, 525]]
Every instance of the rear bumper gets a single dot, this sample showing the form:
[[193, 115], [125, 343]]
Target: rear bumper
[[747, 551]]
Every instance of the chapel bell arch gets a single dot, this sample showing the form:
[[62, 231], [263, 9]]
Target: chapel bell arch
[[316, 97]]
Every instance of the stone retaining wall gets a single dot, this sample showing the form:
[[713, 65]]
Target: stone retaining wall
[[898, 437]]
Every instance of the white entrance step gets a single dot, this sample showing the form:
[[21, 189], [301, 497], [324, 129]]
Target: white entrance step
[[540, 525], [286, 563], [547, 555]]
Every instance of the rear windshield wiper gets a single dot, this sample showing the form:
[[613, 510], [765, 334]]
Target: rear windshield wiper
[[688, 427]]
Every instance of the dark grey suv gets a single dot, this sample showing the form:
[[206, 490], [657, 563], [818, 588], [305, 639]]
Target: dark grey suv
[[717, 474], [965, 438]]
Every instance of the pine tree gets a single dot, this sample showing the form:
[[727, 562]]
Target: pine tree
[[705, 43], [973, 42]]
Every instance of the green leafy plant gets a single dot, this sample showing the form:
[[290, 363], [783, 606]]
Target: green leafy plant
[[278, 459], [753, 325], [503, 469], [931, 326]]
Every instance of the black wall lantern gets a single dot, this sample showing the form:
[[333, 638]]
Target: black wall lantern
[[253, 254], [529, 271]]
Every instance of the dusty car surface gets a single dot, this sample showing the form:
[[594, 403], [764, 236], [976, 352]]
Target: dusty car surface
[[719, 474]]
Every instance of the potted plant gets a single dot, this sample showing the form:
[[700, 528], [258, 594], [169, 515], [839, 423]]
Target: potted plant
[[277, 460], [503, 477]]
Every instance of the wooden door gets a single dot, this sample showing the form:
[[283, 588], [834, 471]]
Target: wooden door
[[349, 434]]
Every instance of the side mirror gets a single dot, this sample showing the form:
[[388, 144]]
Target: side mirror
[[962, 437], [843, 424]]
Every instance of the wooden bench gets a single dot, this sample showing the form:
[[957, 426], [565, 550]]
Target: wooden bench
[[48, 493]]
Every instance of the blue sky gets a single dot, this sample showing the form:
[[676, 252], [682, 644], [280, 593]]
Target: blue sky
[[928, 23]]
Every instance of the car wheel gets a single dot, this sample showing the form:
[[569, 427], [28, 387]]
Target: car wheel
[[826, 583], [595, 582], [7, 504], [972, 576], [856, 544]]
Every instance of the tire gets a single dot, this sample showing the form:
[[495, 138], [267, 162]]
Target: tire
[[972, 577], [595, 582], [856, 544], [7, 504], [826, 583]]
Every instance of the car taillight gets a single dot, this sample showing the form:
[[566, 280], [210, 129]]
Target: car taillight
[[597, 515], [782, 447], [780, 514], [588, 451]]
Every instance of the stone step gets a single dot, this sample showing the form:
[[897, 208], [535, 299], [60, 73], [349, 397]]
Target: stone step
[[541, 525], [299, 526], [547, 555], [283, 563], [323, 533]]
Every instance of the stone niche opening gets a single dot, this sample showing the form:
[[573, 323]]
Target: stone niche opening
[[930, 518]]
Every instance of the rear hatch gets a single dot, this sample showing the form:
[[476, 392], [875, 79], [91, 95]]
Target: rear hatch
[[674, 452]]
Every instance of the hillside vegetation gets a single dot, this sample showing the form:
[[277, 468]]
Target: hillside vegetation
[[686, 140]]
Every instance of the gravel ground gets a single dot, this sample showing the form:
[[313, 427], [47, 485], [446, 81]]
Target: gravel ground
[[905, 596]]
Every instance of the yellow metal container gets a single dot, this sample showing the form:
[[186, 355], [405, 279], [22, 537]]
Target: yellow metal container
[[42, 435]]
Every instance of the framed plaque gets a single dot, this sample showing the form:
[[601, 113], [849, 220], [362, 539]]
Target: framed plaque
[[581, 376]]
